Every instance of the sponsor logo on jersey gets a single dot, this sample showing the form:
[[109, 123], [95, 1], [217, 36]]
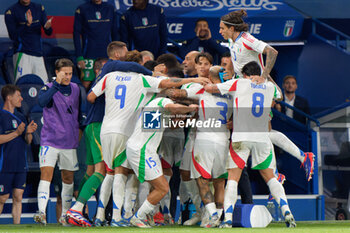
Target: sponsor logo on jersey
[[144, 21], [14, 124], [98, 15], [151, 119], [288, 28]]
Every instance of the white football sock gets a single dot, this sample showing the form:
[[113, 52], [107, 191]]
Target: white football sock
[[145, 208], [105, 193], [66, 195], [283, 142], [277, 191], [230, 199], [43, 195], [118, 195], [211, 208], [131, 189]]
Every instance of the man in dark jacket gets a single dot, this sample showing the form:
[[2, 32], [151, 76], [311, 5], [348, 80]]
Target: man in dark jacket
[[290, 86], [143, 27]]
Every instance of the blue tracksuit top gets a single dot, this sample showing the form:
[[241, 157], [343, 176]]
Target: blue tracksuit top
[[97, 24], [145, 29], [27, 39]]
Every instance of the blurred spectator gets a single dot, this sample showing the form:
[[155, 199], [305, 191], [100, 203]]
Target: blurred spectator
[[203, 42], [60, 100], [143, 27], [227, 64], [290, 86], [24, 21], [189, 64], [134, 56], [146, 56], [14, 135], [96, 22], [150, 65]]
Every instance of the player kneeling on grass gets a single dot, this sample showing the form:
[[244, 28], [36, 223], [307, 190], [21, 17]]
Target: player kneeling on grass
[[142, 156], [251, 106]]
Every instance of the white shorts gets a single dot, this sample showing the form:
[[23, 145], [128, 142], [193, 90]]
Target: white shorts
[[261, 153], [147, 165], [187, 152], [27, 64], [113, 149], [170, 151], [208, 159], [66, 158]]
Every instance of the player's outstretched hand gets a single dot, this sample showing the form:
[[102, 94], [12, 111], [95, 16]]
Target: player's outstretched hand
[[20, 129], [32, 127]]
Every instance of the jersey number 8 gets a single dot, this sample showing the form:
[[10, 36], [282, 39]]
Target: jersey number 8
[[258, 104]]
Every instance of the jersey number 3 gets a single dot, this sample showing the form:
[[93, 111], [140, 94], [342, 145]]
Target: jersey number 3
[[120, 92]]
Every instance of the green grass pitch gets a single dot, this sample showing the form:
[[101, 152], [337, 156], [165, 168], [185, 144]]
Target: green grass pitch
[[305, 227]]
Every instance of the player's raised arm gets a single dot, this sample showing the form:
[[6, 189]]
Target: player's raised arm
[[177, 82], [271, 56]]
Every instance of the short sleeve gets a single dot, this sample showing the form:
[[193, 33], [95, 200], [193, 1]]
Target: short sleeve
[[100, 86], [194, 90], [251, 42], [151, 84], [228, 86]]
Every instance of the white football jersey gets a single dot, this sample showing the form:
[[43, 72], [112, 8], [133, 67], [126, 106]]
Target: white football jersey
[[149, 139], [244, 49], [251, 108], [125, 94], [213, 108]]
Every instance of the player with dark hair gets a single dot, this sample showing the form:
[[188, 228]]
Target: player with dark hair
[[62, 116], [14, 137]]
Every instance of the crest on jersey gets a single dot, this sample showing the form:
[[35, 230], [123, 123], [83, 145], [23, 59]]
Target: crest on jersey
[[98, 15], [144, 21], [14, 124], [2, 188], [288, 28], [151, 119], [32, 92]]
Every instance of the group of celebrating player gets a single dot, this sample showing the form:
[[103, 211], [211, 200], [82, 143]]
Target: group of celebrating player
[[240, 103]]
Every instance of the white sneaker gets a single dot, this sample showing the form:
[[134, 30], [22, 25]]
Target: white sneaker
[[196, 218]]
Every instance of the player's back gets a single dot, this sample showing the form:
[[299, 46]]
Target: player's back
[[252, 105], [213, 108], [125, 92]]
